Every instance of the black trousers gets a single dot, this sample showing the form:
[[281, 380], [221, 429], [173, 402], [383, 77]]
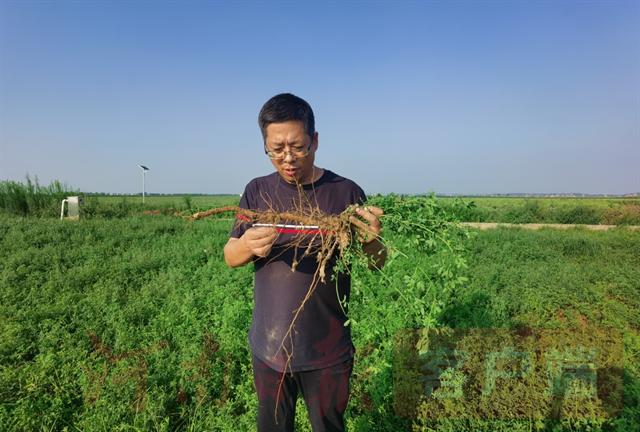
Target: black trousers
[[325, 392]]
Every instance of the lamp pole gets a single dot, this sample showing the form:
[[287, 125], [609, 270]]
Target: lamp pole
[[144, 171]]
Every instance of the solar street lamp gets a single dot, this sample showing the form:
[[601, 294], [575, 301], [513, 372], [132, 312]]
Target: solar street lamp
[[144, 171]]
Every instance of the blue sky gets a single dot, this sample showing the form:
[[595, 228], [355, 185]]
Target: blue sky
[[409, 97]]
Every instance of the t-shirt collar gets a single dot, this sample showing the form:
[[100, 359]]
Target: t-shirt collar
[[311, 185]]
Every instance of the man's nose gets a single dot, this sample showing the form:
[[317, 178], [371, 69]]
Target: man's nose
[[288, 157]]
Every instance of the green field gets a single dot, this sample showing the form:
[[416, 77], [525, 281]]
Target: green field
[[32, 199], [135, 323], [607, 211], [174, 201]]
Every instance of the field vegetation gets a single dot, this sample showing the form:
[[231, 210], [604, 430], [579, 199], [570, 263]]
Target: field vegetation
[[32, 199], [594, 211], [132, 321]]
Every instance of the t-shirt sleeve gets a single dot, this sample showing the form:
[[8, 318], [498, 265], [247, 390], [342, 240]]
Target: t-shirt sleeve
[[358, 196], [240, 226]]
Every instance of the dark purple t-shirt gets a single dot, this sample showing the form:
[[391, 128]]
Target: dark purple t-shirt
[[320, 338]]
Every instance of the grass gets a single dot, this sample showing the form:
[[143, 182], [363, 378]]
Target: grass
[[31, 198]]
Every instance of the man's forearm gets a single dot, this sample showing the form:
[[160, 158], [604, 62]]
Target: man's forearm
[[376, 252], [236, 254]]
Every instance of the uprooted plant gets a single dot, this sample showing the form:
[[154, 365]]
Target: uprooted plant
[[333, 232]]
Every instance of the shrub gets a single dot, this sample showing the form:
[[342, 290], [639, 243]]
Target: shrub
[[628, 214], [530, 212], [32, 199], [580, 214]]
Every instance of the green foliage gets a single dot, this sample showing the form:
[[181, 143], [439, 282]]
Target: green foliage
[[135, 323], [187, 202], [529, 212], [541, 375], [153, 284], [546, 210], [574, 280], [423, 271], [628, 214], [31, 198], [110, 207], [579, 215]]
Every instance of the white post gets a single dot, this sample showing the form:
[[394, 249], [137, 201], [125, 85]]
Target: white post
[[62, 209], [144, 171]]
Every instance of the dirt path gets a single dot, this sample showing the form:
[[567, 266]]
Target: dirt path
[[536, 226]]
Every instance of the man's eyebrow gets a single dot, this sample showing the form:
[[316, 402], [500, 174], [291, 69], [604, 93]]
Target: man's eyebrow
[[282, 143]]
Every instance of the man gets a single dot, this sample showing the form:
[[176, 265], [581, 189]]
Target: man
[[316, 356]]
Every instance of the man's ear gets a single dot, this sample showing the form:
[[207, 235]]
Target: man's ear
[[314, 141]]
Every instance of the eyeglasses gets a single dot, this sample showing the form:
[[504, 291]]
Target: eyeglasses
[[279, 154]]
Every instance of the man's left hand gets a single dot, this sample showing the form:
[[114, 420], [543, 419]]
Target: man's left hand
[[369, 229]]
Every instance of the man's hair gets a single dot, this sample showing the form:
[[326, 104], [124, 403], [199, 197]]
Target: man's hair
[[286, 107]]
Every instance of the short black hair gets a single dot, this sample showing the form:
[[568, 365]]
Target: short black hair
[[286, 107]]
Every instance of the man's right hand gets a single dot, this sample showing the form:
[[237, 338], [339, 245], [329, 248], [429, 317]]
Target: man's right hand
[[259, 240], [256, 241]]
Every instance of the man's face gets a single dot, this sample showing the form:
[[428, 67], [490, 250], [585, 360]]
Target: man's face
[[291, 138]]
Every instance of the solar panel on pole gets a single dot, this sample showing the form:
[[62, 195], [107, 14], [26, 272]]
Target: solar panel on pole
[[144, 171]]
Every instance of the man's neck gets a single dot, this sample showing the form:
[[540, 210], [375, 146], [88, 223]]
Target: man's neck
[[316, 173]]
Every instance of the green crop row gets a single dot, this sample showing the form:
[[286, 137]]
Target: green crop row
[[551, 210]]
